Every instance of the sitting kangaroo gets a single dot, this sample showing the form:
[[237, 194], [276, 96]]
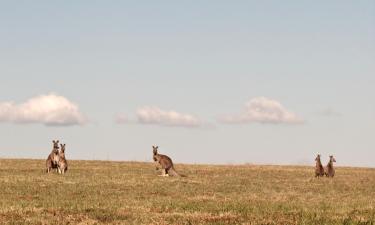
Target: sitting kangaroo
[[319, 170], [329, 170], [53, 157], [62, 164], [165, 163]]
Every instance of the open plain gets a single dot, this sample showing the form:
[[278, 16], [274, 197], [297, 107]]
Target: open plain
[[103, 192]]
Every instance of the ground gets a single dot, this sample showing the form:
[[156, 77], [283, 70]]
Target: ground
[[102, 192]]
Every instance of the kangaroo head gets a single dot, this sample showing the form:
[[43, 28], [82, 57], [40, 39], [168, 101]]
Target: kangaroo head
[[155, 149], [317, 158], [55, 144], [62, 150], [155, 152], [331, 159]]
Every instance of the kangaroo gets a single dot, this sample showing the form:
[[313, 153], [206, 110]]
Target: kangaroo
[[329, 170], [165, 163], [62, 164], [319, 170], [53, 157]]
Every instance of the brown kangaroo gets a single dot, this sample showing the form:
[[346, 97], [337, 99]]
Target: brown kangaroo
[[329, 170], [62, 164], [165, 163], [53, 157], [319, 170]]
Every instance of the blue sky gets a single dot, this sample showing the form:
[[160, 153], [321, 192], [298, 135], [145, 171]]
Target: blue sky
[[124, 76]]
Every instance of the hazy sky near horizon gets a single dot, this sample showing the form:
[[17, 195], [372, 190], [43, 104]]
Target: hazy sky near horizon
[[268, 82]]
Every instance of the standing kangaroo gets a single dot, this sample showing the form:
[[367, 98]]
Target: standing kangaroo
[[53, 157], [165, 163], [319, 170], [62, 163], [329, 170]]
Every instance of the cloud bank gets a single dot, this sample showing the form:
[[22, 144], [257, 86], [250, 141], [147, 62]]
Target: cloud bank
[[50, 110], [155, 115], [263, 110]]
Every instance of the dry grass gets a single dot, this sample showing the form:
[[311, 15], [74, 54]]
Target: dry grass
[[98, 192]]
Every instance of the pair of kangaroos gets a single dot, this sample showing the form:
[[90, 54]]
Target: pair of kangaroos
[[56, 159], [165, 163], [328, 171]]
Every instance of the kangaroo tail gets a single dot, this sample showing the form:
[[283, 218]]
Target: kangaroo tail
[[173, 172]]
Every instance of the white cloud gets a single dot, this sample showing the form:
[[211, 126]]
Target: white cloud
[[155, 115], [263, 110], [51, 110]]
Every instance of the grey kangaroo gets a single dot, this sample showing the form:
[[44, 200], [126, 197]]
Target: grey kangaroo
[[165, 163], [329, 170], [62, 163], [319, 170], [53, 157]]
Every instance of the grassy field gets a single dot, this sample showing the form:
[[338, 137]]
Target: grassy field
[[101, 192]]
